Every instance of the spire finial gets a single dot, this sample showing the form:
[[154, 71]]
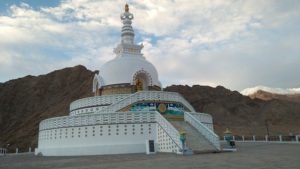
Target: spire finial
[[126, 8], [127, 31]]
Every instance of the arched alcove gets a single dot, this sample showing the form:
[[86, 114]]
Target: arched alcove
[[142, 80]]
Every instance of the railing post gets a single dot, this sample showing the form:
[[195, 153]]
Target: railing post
[[224, 138], [233, 138], [253, 138], [266, 138], [243, 138], [280, 138], [17, 150], [29, 149], [297, 138]]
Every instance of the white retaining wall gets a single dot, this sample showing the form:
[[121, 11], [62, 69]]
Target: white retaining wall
[[96, 139], [110, 133]]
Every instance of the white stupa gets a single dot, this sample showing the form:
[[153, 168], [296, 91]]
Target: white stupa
[[121, 74], [129, 113]]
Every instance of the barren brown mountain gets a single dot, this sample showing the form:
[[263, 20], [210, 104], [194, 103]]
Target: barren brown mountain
[[24, 102], [241, 114], [264, 95]]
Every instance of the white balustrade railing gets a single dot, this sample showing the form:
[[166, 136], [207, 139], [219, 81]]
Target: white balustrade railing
[[266, 138], [94, 119], [97, 100], [169, 129], [204, 118], [205, 131], [148, 95]]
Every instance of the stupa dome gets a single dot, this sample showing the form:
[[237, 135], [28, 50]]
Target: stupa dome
[[125, 69]]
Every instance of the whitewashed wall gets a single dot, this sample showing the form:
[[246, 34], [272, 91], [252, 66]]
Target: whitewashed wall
[[110, 133], [165, 142], [96, 139]]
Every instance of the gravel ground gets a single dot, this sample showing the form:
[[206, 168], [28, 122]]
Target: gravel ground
[[249, 155]]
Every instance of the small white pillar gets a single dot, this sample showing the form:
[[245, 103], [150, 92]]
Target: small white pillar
[[29, 149], [17, 150], [280, 138], [297, 138], [253, 138], [266, 138], [233, 138], [243, 137], [224, 138]]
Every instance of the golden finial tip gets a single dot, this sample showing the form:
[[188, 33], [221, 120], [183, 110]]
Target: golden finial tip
[[126, 8]]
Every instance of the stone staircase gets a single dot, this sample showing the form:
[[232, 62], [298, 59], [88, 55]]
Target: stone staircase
[[195, 141]]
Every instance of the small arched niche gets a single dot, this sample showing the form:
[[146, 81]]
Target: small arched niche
[[142, 80]]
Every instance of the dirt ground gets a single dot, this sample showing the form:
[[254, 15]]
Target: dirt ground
[[249, 155]]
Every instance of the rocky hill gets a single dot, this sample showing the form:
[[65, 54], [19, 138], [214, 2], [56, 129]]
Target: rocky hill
[[241, 114], [264, 95], [24, 102]]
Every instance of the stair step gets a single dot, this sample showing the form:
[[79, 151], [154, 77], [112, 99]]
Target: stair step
[[194, 140]]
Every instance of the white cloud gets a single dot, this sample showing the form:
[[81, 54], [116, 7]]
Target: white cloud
[[39, 41], [231, 43]]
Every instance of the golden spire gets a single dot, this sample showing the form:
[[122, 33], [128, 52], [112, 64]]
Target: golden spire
[[126, 8]]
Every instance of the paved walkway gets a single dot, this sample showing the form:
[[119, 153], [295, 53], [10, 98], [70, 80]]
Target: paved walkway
[[249, 156]]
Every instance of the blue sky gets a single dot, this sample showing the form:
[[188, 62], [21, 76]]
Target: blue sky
[[234, 43], [36, 4]]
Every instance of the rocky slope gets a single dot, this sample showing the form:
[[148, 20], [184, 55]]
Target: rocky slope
[[243, 115], [264, 95], [24, 102]]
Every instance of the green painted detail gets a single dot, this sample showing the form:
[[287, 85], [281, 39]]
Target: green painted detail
[[173, 109]]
